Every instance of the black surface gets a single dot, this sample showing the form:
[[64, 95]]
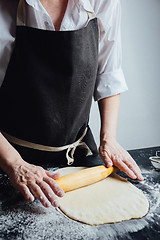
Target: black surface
[[19, 220]]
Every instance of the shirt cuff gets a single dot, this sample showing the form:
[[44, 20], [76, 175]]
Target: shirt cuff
[[109, 84]]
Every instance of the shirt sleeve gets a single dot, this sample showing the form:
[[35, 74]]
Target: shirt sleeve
[[110, 77], [8, 11]]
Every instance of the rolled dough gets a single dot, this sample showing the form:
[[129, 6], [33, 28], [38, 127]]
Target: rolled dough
[[111, 200]]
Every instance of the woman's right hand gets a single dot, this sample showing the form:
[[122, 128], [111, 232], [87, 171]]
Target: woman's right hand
[[32, 181], [35, 182]]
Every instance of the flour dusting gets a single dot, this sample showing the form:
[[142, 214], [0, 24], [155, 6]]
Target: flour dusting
[[29, 221]]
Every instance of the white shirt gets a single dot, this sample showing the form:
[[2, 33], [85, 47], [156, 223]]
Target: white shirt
[[110, 78]]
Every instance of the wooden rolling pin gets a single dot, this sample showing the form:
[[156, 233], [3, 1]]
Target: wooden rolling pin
[[84, 177]]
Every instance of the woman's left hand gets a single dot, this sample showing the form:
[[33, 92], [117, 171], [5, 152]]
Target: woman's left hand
[[113, 154]]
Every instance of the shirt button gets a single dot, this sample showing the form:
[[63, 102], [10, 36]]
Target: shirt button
[[46, 23]]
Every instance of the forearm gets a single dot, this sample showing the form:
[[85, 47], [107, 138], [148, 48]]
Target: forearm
[[8, 155], [109, 110], [110, 151]]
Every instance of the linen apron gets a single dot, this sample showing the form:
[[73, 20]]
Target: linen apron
[[46, 95]]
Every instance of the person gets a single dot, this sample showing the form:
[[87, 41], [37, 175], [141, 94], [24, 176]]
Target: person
[[55, 56]]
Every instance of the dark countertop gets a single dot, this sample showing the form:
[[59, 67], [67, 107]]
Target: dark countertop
[[20, 220]]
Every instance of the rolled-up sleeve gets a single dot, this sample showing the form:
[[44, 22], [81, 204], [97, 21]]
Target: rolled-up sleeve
[[110, 77], [8, 11]]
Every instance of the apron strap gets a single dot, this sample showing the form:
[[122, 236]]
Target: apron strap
[[91, 15], [69, 147], [20, 14]]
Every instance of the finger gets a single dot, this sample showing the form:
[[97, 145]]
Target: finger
[[48, 193], [130, 159], [26, 192], [134, 167], [54, 186], [108, 162], [38, 193], [122, 166], [53, 175], [107, 150]]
